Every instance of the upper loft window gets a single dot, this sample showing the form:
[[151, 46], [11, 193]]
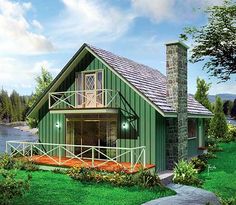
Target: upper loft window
[[192, 128], [90, 89], [90, 80]]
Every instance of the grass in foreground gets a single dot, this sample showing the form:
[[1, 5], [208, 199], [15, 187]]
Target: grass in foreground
[[58, 189], [222, 180]]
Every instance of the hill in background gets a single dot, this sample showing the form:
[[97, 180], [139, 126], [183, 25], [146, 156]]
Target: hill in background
[[223, 96]]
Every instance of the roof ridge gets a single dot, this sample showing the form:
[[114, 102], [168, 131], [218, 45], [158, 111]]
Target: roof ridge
[[128, 59]]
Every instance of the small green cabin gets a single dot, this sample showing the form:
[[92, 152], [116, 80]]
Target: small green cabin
[[100, 101]]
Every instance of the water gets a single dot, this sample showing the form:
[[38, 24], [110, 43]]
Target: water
[[232, 122], [8, 133]]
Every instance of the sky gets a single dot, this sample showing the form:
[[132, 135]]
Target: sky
[[36, 33]]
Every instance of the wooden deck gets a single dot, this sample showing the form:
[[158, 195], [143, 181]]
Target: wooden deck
[[99, 164]]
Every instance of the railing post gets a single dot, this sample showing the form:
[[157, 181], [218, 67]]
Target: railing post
[[106, 98], [31, 150], [23, 149], [59, 152], [6, 148], [92, 156], [144, 157], [132, 159]]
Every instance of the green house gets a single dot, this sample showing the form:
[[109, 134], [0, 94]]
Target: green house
[[102, 106]]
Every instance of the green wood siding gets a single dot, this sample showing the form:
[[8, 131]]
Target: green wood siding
[[148, 130]]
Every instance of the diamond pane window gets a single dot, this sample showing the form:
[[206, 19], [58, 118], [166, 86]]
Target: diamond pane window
[[90, 82]]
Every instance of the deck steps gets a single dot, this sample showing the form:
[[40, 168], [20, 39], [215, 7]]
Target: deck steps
[[166, 176]]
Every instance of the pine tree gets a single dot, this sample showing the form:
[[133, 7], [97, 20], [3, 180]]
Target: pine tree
[[17, 106], [42, 82], [201, 94], [218, 125], [6, 107]]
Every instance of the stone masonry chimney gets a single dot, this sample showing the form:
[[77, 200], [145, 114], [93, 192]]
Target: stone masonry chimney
[[177, 128]]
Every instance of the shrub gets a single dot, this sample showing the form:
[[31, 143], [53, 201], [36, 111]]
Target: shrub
[[146, 179], [199, 164], [214, 148], [10, 187], [232, 132], [229, 201], [218, 125], [143, 178], [7, 162], [185, 173]]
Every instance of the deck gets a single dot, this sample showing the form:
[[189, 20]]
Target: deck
[[104, 165]]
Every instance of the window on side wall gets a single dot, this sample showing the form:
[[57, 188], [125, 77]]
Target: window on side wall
[[192, 128]]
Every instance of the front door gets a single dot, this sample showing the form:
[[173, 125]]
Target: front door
[[90, 90]]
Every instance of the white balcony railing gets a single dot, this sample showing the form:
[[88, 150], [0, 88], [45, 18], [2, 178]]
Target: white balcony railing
[[83, 99], [35, 151]]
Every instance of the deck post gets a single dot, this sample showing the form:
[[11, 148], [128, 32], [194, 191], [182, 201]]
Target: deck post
[[6, 148], [132, 159], [59, 153], [144, 157], [23, 152], [92, 156], [31, 151]]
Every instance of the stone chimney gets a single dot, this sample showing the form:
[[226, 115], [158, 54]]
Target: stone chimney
[[176, 95]]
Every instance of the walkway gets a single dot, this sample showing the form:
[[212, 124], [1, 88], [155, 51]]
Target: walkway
[[186, 195]]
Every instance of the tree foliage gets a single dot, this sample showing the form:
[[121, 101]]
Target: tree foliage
[[215, 42], [42, 82], [201, 94], [233, 110], [218, 125], [227, 107], [13, 107]]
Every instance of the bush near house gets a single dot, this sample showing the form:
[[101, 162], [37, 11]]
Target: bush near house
[[143, 178], [185, 173], [7, 162], [199, 164], [11, 187], [218, 124]]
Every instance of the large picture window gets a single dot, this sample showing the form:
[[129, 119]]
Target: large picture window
[[192, 128]]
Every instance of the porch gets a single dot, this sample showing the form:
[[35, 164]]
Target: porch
[[129, 160]]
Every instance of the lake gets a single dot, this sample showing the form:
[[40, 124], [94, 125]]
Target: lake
[[232, 122], [9, 133]]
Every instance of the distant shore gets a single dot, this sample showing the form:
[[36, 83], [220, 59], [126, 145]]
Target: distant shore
[[21, 126]]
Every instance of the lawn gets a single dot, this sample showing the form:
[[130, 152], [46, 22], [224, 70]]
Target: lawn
[[222, 180], [58, 189]]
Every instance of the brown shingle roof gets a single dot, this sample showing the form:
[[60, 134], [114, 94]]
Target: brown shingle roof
[[150, 82]]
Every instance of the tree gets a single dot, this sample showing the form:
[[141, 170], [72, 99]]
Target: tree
[[16, 106], [42, 82], [218, 125], [233, 111], [227, 107], [201, 94], [6, 106], [215, 42]]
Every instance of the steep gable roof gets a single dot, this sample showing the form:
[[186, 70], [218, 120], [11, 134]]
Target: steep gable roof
[[149, 81], [146, 80]]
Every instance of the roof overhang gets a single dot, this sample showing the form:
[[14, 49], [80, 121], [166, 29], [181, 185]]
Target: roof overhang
[[33, 112], [86, 111]]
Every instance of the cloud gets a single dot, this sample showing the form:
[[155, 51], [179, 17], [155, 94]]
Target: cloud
[[157, 10], [92, 20], [20, 75], [37, 24], [170, 10], [16, 36]]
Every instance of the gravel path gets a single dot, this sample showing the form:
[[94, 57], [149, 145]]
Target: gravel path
[[186, 195]]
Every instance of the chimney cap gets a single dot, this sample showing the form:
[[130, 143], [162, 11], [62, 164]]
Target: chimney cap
[[177, 42]]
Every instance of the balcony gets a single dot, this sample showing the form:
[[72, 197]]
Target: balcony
[[100, 98]]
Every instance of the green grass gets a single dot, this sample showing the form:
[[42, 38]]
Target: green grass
[[58, 189], [222, 180]]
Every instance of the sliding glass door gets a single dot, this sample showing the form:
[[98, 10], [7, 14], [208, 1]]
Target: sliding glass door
[[92, 132]]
